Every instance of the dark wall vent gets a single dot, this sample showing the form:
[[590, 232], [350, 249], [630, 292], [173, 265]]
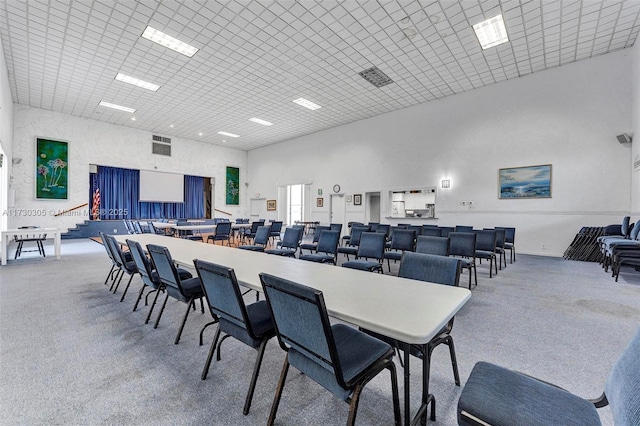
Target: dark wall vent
[[376, 77], [161, 149]]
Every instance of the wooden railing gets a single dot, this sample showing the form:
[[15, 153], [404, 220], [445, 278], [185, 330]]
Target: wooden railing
[[220, 211], [71, 209]]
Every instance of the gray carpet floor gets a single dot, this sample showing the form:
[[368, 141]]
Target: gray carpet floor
[[72, 354]]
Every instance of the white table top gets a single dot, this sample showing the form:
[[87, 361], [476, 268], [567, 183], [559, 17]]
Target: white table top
[[409, 310]]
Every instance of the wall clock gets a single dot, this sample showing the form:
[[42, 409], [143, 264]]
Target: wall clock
[[336, 188]]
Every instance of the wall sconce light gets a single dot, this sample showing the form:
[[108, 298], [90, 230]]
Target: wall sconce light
[[446, 183]]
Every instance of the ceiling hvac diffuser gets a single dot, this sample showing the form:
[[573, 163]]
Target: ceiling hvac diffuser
[[376, 77]]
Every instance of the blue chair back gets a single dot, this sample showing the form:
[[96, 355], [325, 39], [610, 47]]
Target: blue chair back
[[319, 229], [462, 244], [431, 231], [509, 234], [445, 230], [463, 228], [223, 230], [336, 227], [328, 242], [438, 246], [292, 237], [486, 240], [107, 247], [142, 263], [220, 286], [276, 227], [371, 245], [117, 254], [262, 235], [356, 233], [431, 268], [383, 228], [403, 239], [302, 324], [167, 272], [623, 385]]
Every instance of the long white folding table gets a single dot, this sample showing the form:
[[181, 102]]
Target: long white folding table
[[411, 311], [51, 233]]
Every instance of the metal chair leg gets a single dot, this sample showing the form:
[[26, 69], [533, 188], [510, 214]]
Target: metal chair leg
[[126, 288], [204, 328], [184, 320], [212, 349], [254, 377], [161, 311], [276, 398], [146, 321], [140, 293]]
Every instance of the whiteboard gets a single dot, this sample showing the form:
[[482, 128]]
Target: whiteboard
[[161, 187]]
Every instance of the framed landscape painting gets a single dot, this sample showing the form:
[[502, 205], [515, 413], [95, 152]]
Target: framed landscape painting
[[52, 173], [525, 182]]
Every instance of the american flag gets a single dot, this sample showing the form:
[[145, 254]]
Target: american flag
[[95, 208]]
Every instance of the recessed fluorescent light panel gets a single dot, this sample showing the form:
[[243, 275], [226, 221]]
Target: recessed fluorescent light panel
[[118, 107], [231, 135], [169, 42], [491, 32], [137, 82], [307, 103], [261, 121]]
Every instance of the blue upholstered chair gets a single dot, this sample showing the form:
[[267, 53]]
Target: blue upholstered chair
[[338, 357], [185, 290], [312, 246], [445, 230], [336, 227], [430, 231], [350, 225], [250, 324], [222, 233], [289, 244], [619, 244], [463, 228], [438, 246], [371, 247], [497, 396], [463, 245], [401, 240], [509, 241], [260, 239], [250, 233], [500, 250], [354, 240], [149, 276], [440, 270], [326, 249], [125, 263], [276, 228], [486, 248], [115, 269]]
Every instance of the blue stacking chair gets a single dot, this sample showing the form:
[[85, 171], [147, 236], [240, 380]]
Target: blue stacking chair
[[312, 246], [326, 249], [340, 358], [498, 396], [371, 247], [260, 240], [289, 244], [438, 246], [249, 324], [401, 240]]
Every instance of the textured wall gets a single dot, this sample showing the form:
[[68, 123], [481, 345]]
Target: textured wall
[[93, 142], [567, 116]]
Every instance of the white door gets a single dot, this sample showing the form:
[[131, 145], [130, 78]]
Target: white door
[[337, 210], [257, 208]]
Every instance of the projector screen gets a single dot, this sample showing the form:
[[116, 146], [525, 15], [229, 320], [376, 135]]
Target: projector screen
[[161, 187]]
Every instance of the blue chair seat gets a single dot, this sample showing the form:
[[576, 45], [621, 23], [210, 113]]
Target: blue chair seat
[[348, 250], [484, 254], [500, 396], [252, 248], [260, 319], [309, 246], [191, 287], [282, 252], [363, 265], [182, 273], [393, 255], [356, 352], [317, 257]]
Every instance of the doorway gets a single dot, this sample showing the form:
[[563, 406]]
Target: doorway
[[373, 207], [337, 209]]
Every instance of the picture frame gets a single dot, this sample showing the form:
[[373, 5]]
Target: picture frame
[[271, 205], [357, 199], [232, 190], [51, 169], [525, 182], [349, 198], [320, 202]]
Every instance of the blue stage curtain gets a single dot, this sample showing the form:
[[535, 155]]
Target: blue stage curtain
[[120, 194]]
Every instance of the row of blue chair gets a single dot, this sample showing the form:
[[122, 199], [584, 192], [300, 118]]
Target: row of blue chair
[[621, 250]]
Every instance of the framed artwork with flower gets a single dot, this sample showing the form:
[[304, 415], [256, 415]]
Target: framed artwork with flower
[[233, 186], [52, 169]]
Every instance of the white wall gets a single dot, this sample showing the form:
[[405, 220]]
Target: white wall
[[635, 145], [6, 135], [567, 116], [94, 142]]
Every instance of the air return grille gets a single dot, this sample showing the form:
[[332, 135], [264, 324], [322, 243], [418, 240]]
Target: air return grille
[[376, 77], [161, 145]]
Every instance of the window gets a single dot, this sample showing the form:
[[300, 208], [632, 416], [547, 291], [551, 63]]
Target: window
[[295, 203]]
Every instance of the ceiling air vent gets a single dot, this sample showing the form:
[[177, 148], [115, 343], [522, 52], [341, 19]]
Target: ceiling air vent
[[376, 77], [161, 145]]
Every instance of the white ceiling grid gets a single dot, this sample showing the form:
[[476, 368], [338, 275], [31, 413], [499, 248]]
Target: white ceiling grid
[[256, 57]]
